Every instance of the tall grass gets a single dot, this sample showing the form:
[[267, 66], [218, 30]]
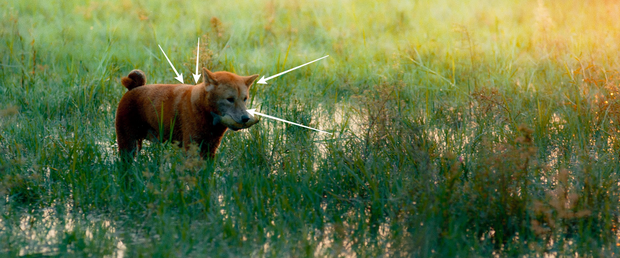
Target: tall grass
[[461, 128]]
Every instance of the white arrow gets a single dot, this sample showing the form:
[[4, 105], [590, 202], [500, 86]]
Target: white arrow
[[179, 76], [253, 112], [197, 75], [264, 80]]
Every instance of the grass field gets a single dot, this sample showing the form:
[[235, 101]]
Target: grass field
[[461, 128]]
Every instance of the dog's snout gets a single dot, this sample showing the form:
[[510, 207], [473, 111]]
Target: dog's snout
[[245, 118]]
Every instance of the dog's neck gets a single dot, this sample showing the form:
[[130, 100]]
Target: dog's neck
[[198, 94], [200, 97]]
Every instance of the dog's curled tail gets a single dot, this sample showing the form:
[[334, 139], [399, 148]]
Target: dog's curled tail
[[136, 78]]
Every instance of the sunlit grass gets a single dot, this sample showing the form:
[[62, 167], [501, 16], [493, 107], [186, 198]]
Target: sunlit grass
[[461, 128]]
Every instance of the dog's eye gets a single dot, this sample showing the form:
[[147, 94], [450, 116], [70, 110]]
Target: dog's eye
[[231, 100]]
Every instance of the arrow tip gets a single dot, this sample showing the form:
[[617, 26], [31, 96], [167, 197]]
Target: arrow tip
[[196, 77], [179, 78], [251, 111], [262, 80]]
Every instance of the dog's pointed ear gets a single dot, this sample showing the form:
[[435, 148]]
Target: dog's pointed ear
[[250, 79], [209, 78]]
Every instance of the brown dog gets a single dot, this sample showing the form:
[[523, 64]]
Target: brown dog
[[185, 113]]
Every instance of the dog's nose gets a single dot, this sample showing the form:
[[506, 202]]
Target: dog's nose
[[245, 118]]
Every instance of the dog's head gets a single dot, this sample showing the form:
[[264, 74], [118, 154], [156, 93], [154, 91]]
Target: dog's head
[[227, 96]]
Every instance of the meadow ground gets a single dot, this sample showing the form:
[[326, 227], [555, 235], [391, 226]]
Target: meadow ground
[[461, 128]]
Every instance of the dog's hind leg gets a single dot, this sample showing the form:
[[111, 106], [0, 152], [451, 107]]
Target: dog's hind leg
[[129, 140], [127, 147]]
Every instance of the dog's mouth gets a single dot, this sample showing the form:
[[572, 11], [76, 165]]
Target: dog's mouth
[[229, 122]]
